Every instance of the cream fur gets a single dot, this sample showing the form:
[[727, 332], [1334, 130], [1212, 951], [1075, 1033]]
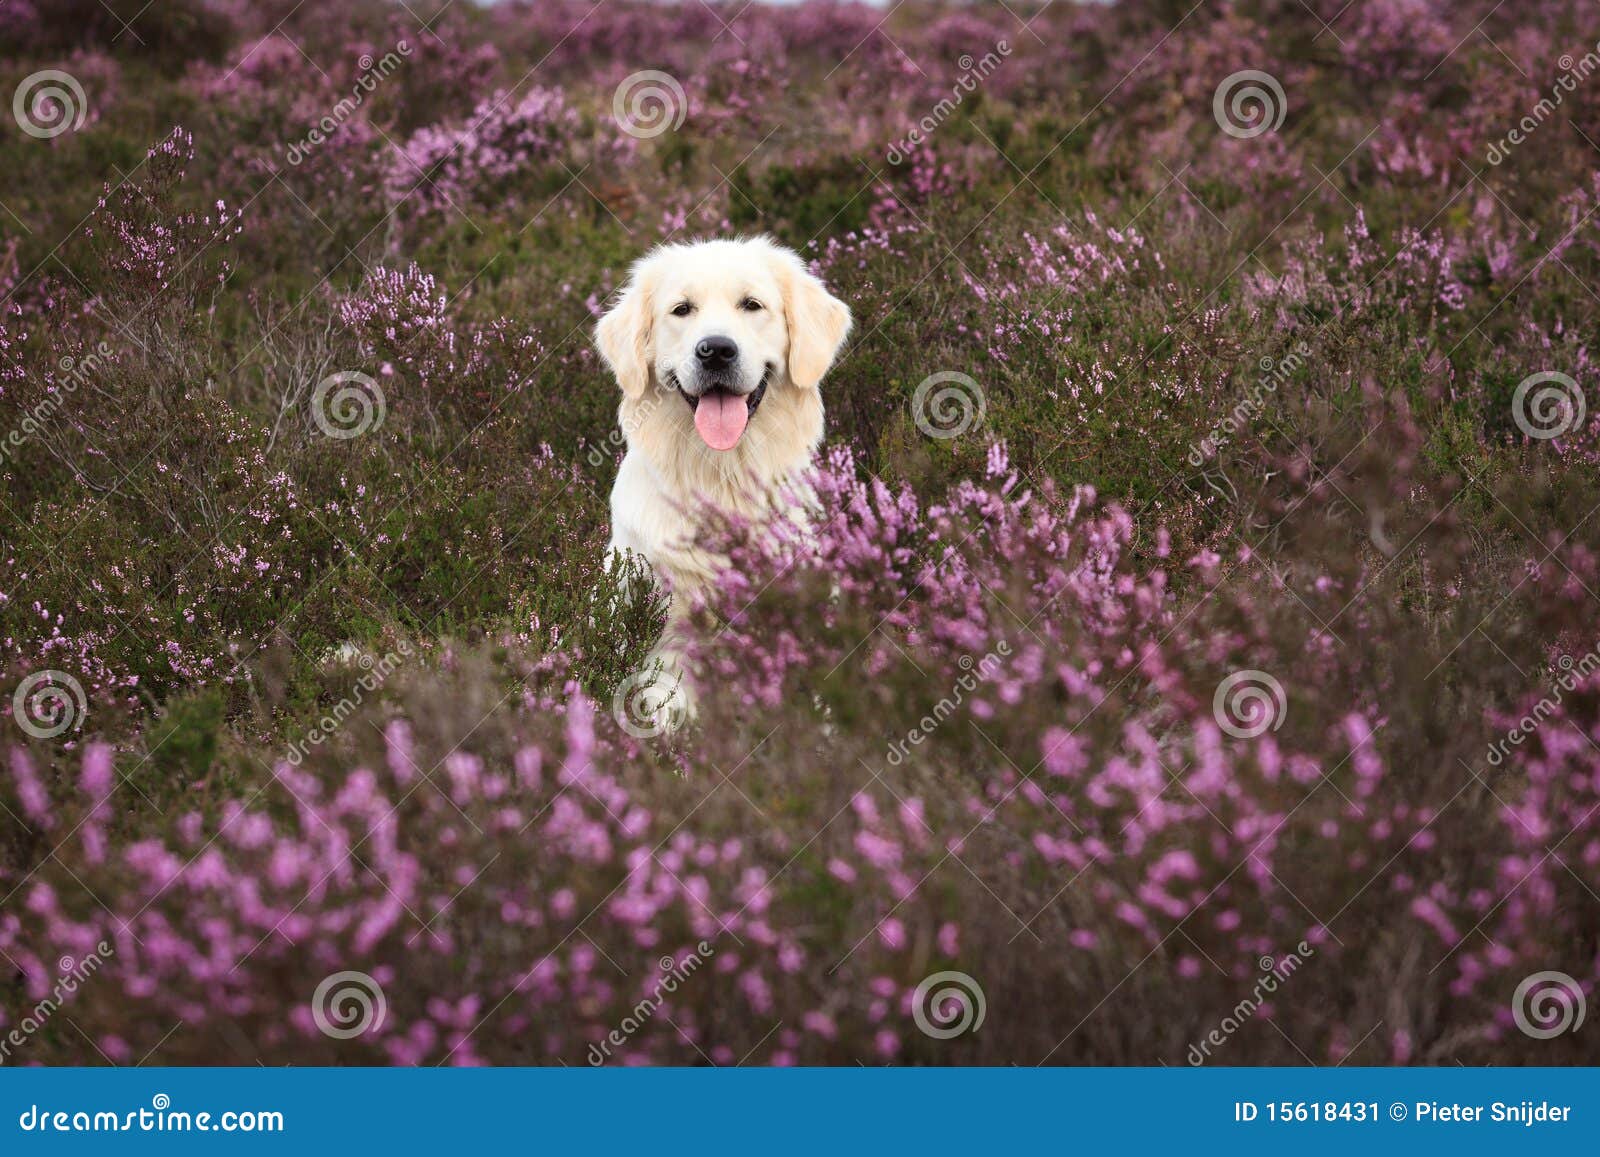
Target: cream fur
[[669, 478]]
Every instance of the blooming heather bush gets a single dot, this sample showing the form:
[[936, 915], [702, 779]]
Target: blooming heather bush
[[1194, 647], [1083, 798], [403, 320], [508, 141]]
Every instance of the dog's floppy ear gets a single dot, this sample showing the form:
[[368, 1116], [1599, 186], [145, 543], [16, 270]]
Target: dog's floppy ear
[[818, 321], [623, 335]]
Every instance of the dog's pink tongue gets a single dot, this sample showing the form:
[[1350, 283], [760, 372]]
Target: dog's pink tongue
[[721, 418]]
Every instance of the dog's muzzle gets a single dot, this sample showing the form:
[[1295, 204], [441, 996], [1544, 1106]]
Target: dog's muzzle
[[720, 412]]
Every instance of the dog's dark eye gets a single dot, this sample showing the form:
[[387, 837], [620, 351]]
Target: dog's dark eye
[[751, 304], [682, 309]]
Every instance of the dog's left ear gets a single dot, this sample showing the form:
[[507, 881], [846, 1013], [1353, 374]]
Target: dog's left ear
[[818, 321]]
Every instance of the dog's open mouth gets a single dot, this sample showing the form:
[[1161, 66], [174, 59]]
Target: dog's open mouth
[[720, 416]]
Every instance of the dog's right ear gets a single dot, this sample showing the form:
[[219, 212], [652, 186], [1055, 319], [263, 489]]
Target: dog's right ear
[[623, 336]]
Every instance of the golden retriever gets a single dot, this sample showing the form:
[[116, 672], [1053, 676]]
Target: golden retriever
[[719, 348]]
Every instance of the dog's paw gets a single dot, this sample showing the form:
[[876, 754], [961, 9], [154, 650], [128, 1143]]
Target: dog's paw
[[346, 654]]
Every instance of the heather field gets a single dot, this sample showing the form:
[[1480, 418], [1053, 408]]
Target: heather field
[[1196, 662]]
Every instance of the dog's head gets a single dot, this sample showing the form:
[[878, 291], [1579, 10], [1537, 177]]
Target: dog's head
[[722, 323]]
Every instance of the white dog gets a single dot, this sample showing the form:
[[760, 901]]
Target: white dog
[[719, 347]]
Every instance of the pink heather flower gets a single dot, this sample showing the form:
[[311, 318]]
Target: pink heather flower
[[30, 789], [96, 775], [911, 818], [877, 851], [820, 1023], [1429, 912]]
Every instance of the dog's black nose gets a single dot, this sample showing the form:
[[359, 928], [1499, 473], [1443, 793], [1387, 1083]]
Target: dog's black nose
[[715, 353]]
